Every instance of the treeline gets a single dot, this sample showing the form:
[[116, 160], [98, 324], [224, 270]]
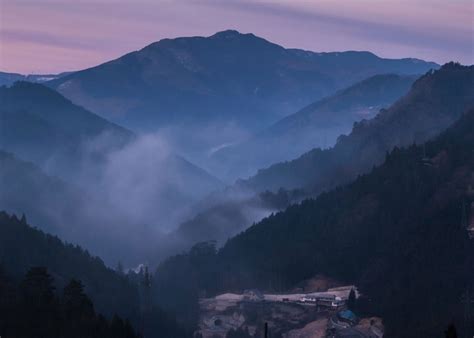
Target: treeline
[[71, 272], [435, 101], [22, 247], [396, 232], [33, 308]]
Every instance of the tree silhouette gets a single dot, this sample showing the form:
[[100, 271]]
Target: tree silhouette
[[351, 301], [451, 332]]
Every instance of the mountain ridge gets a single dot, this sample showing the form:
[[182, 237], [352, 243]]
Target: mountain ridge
[[397, 233], [229, 84], [316, 125], [454, 85], [416, 117]]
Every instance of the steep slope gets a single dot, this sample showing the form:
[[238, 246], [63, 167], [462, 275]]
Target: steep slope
[[111, 180], [224, 214], [435, 101], [399, 233], [317, 125], [230, 83], [120, 216], [52, 264], [42, 126], [23, 247], [22, 183]]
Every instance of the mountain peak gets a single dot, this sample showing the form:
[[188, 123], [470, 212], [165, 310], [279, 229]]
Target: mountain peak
[[227, 34]]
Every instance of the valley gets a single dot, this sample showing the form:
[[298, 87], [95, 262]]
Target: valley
[[214, 182]]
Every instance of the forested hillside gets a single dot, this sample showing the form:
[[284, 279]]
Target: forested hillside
[[32, 308], [435, 101], [317, 125], [23, 247], [36, 264], [396, 232]]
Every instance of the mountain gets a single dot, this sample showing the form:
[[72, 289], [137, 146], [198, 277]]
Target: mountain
[[317, 125], [99, 174], [7, 79], [435, 101], [23, 247], [40, 125], [223, 214], [398, 233], [230, 83], [58, 280], [121, 216], [22, 183]]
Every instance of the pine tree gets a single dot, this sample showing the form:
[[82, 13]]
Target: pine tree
[[351, 301], [451, 332], [41, 310], [76, 302]]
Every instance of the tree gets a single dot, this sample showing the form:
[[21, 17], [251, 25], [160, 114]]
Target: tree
[[40, 306], [351, 301], [451, 332], [38, 286], [76, 303], [77, 312]]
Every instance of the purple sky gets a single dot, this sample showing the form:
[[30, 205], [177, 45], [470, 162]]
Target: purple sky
[[44, 36]]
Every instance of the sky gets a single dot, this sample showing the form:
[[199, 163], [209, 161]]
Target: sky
[[51, 36]]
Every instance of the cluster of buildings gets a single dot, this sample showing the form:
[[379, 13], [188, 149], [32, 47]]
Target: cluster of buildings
[[324, 301]]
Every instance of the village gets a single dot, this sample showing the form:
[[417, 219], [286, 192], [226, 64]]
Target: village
[[322, 314]]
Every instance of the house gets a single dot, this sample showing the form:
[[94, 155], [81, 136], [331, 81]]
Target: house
[[308, 299], [328, 301]]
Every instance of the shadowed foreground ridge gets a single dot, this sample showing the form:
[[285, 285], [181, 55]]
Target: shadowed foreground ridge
[[396, 232]]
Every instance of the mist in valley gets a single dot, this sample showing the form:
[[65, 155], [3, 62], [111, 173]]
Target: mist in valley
[[194, 182], [124, 203]]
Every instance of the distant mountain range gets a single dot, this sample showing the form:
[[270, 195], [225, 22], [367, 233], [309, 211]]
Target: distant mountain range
[[7, 79], [229, 79], [435, 101], [96, 214], [95, 173], [317, 125], [47, 200], [40, 125]]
